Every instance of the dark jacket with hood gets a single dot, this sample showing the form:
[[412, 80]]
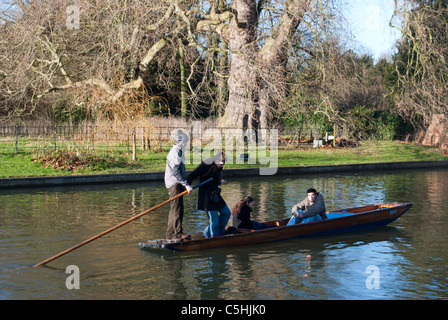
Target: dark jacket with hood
[[241, 219], [209, 194]]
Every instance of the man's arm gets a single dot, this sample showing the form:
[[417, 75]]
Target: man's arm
[[317, 207], [299, 206], [199, 171]]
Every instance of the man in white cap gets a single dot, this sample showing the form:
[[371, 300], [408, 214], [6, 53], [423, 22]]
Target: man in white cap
[[176, 182]]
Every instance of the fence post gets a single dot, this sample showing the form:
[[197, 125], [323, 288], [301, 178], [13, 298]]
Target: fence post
[[134, 145], [143, 139], [17, 138], [93, 137], [55, 136], [335, 131], [127, 139]]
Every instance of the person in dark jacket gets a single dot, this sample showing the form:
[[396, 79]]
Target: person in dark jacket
[[209, 195], [241, 215]]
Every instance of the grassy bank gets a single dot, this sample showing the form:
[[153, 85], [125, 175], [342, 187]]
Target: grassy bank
[[59, 163]]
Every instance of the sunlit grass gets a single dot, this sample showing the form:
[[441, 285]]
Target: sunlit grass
[[119, 160]]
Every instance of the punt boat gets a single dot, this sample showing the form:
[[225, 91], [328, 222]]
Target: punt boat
[[346, 220]]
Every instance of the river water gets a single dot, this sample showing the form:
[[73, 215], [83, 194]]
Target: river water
[[405, 260]]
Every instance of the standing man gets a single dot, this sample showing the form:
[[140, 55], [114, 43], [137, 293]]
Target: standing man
[[176, 183]]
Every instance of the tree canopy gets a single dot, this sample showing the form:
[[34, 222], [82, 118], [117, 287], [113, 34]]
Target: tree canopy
[[250, 63]]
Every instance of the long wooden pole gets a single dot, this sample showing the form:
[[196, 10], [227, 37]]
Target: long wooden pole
[[116, 227]]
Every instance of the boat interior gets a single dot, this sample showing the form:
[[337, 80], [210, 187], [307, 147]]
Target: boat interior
[[330, 215], [342, 213]]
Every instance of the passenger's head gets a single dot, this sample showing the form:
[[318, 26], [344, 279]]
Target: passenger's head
[[249, 201], [311, 194]]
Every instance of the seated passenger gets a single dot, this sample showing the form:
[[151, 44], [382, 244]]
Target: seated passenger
[[241, 215], [312, 208]]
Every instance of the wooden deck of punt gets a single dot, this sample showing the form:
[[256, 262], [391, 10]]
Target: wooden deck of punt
[[345, 220]]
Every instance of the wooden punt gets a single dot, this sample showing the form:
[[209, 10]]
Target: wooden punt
[[345, 220]]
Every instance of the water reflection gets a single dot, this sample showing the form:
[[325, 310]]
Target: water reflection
[[410, 254]]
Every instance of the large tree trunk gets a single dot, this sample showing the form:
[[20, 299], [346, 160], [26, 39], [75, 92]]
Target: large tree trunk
[[252, 69], [241, 37]]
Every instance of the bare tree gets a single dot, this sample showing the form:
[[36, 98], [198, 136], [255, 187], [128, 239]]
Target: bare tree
[[421, 65], [101, 63], [240, 49], [257, 51]]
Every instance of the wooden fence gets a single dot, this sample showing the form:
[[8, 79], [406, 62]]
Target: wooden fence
[[129, 138]]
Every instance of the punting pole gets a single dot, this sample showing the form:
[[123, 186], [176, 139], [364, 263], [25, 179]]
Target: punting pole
[[117, 226]]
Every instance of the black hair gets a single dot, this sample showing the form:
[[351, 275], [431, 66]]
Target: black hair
[[240, 204]]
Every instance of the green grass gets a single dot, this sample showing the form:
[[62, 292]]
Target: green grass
[[367, 152], [28, 164]]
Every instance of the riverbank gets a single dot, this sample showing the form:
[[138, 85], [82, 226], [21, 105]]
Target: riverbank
[[22, 170], [9, 183]]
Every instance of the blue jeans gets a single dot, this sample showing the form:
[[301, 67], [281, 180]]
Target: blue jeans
[[258, 226], [296, 220], [217, 222]]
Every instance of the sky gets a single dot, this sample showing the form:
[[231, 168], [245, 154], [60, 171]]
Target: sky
[[369, 20]]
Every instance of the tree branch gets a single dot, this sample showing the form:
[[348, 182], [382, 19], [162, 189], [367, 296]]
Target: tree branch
[[166, 16], [293, 15], [155, 49]]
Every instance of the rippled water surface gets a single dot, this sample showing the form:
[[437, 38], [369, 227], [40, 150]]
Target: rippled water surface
[[410, 255]]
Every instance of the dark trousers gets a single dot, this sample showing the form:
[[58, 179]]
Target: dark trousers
[[176, 214]]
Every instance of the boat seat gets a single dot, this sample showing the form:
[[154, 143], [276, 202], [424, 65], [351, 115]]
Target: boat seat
[[332, 215]]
